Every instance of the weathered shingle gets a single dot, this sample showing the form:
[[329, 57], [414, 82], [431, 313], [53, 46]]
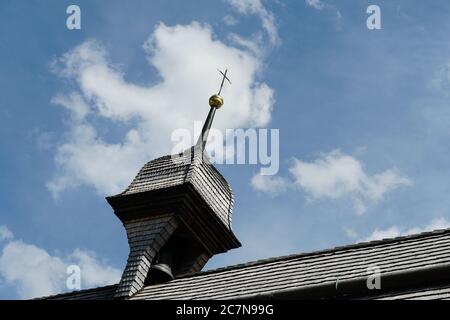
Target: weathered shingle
[[192, 167], [145, 236], [416, 252], [441, 293], [101, 293], [307, 269]]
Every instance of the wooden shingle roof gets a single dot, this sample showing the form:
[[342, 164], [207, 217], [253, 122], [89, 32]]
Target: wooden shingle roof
[[314, 273], [192, 166], [433, 293]]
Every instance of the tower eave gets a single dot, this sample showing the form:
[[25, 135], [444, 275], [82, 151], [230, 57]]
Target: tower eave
[[188, 206]]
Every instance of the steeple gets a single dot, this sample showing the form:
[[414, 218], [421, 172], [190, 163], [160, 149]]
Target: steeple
[[177, 213]]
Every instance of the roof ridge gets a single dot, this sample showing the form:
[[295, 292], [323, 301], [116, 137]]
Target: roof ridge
[[358, 245], [109, 286]]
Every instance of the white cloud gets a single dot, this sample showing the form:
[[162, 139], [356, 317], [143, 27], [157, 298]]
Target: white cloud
[[75, 103], [269, 184], [256, 7], [359, 206], [151, 112], [320, 5], [316, 4], [31, 269], [350, 232], [395, 231], [250, 45], [390, 232], [5, 234], [229, 20], [35, 273], [441, 79], [336, 175], [94, 272]]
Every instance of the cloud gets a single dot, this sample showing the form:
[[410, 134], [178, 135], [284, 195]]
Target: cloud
[[75, 103], [320, 5], [94, 272], [101, 99], [441, 78], [350, 232], [395, 231], [269, 184], [33, 272], [334, 175], [316, 4], [5, 234], [229, 20], [267, 18], [250, 45]]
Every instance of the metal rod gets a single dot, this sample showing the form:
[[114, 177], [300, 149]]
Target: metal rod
[[205, 131]]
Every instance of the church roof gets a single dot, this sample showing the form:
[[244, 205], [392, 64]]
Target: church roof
[[413, 267]]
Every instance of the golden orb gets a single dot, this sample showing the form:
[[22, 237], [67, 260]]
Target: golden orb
[[216, 101]]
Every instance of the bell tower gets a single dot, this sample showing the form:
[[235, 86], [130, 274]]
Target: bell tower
[[177, 214]]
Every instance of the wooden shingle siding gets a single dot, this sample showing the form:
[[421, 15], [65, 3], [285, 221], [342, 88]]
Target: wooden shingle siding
[[146, 236]]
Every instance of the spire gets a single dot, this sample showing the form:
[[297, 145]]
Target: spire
[[215, 102]]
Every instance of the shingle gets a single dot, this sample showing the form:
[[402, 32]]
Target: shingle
[[145, 237], [190, 167], [310, 269], [307, 269], [425, 294], [102, 293]]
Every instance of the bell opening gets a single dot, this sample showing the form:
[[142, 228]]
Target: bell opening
[[161, 268], [160, 273]]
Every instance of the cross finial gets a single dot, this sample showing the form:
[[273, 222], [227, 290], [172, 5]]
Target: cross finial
[[224, 74], [215, 102]]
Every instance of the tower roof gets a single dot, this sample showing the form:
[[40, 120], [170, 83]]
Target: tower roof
[[193, 167]]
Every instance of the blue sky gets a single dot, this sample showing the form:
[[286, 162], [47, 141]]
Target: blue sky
[[363, 118]]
